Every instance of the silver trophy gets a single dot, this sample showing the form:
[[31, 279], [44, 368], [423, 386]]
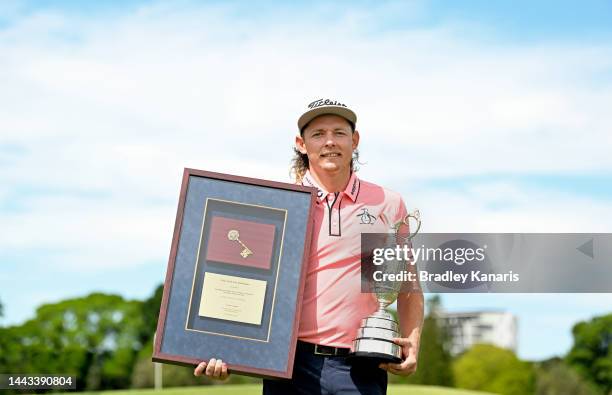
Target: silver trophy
[[375, 336]]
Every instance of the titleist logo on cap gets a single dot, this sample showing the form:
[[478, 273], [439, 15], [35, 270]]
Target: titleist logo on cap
[[325, 102]]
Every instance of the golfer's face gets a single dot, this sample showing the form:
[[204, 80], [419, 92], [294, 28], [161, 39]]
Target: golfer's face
[[329, 143]]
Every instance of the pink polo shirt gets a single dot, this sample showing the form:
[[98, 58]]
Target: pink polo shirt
[[333, 304]]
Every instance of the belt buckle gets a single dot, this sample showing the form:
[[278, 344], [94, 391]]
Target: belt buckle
[[317, 352]]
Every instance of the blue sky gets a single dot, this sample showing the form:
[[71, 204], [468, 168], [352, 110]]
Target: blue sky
[[487, 116]]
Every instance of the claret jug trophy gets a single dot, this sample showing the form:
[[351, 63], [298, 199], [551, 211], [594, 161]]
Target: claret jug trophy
[[375, 336]]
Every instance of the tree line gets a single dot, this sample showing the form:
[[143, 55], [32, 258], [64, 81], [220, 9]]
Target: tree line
[[106, 342], [585, 370]]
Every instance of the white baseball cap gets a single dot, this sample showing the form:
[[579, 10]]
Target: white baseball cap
[[326, 106]]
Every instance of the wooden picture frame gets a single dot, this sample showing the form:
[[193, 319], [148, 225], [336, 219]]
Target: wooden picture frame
[[249, 315]]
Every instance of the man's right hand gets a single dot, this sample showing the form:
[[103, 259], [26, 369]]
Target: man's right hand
[[215, 369]]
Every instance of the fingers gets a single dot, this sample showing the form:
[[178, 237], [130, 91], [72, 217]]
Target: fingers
[[210, 369], [215, 369], [402, 341], [406, 367], [218, 368], [394, 367], [406, 364], [199, 370], [399, 369]]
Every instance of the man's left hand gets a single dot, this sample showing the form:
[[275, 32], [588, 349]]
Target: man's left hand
[[409, 354]]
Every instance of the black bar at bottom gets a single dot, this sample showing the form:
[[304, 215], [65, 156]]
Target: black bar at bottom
[[37, 381]]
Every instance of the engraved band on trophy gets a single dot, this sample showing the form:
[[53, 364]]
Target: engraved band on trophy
[[375, 336]]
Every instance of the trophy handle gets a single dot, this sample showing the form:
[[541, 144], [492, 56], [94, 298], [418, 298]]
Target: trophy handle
[[416, 214]]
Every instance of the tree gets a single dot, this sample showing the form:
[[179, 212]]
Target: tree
[[7, 352], [150, 313], [554, 377], [591, 354], [1, 310], [95, 338], [488, 368], [434, 364], [175, 376]]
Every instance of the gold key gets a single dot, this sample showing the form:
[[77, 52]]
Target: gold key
[[234, 235]]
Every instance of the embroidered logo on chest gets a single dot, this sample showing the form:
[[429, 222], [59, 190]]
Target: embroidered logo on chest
[[366, 218]]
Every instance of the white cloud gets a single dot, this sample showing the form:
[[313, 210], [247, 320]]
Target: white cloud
[[508, 208], [120, 105]]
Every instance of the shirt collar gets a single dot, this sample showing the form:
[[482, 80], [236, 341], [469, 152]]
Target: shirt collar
[[351, 190]]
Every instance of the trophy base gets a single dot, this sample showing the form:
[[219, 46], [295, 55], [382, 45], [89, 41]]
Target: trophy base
[[375, 356], [379, 349]]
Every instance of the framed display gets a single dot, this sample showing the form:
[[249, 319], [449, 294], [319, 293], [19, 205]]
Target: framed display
[[235, 275]]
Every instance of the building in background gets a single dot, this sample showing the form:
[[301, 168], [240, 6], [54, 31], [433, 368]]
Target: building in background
[[469, 328]]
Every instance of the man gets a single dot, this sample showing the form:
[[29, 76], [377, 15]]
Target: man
[[333, 304]]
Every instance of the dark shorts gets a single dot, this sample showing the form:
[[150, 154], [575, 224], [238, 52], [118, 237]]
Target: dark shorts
[[316, 374]]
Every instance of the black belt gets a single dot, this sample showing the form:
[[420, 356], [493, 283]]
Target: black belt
[[327, 351]]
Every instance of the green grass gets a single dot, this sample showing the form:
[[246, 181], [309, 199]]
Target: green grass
[[256, 390]]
